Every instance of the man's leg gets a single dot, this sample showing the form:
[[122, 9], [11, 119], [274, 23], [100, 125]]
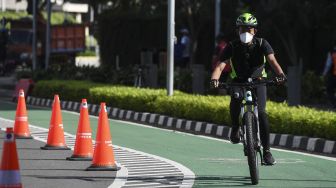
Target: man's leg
[[234, 112], [263, 120], [264, 125]]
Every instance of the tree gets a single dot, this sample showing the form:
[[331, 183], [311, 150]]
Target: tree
[[298, 25], [127, 27], [194, 14]]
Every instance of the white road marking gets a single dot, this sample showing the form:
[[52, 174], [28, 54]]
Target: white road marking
[[170, 173]]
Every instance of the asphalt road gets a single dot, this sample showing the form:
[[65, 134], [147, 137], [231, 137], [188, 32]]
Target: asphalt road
[[42, 168]]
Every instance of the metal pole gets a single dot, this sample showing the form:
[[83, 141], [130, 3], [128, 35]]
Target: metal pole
[[47, 50], [3, 5], [34, 36], [217, 17], [170, 47]]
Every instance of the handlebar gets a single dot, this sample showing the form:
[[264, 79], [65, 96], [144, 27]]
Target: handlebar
[[247, 84]]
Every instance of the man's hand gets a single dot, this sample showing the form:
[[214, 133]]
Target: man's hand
[[281, 79], [214, 83]]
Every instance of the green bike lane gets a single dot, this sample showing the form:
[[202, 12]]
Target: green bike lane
[[215, 163]]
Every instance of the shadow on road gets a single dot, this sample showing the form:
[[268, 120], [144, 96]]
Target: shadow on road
[[83, 178], [221, 181], [241, 181]]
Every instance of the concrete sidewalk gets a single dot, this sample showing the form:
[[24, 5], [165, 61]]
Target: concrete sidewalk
[[42, 168]]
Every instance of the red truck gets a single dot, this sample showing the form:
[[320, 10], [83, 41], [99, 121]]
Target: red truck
[[66, 41]]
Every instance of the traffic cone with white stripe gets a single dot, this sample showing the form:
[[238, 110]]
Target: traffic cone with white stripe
[[9, 169], [103, 156], [21, 128], [83, 147], [56, 140]]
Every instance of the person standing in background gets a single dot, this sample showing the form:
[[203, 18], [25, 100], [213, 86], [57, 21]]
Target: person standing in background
[[329, 73], [221, 44], [185, 42], [3, 45]]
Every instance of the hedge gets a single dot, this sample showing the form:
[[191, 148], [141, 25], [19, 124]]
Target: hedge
[[56, 17], [215, 109]]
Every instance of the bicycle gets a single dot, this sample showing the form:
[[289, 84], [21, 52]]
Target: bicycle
[[249, 131]]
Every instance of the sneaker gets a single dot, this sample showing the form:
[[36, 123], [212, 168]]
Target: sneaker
[[268, 158], [234, 137]]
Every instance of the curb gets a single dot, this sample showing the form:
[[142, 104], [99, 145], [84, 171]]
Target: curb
[[292, 142]]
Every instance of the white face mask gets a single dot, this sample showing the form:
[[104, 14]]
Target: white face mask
[[246, 37]]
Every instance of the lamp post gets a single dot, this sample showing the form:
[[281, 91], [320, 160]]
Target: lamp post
[[34, 36], [47, 50], [170, 47], [217, 17]]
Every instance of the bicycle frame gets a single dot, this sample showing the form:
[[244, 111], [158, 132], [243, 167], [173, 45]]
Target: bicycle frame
[[249, 104]]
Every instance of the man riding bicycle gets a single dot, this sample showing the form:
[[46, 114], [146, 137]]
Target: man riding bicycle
[[247, 58]]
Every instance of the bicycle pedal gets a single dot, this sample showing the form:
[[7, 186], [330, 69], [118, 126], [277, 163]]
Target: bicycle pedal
[[267, 164]]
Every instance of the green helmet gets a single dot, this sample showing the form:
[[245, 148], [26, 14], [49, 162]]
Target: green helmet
[[246, 19]]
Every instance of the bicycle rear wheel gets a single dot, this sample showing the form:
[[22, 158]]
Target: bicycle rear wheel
[[252, 155]]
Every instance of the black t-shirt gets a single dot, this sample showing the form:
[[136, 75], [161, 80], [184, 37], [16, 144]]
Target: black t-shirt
[[247, 61]]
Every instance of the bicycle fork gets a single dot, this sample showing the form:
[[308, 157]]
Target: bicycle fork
[[242, 129], [258, 134]]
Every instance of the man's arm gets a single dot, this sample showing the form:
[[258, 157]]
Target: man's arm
[[274, 64], [218, 70], [223, 60], [216, 74]]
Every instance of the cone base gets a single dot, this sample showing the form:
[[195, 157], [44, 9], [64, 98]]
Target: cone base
[[48, 147], [78, 158], [102, 168], [23, 137]]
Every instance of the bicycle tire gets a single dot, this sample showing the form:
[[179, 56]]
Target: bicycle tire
[[252, 155]]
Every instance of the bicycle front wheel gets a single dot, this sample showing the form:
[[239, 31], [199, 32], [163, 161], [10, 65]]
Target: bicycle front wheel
[[252, 155]]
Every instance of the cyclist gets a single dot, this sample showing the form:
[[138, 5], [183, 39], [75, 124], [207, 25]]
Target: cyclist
[[247, 58]]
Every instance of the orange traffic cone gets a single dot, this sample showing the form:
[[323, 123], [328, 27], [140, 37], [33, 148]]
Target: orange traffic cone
[[83, 146], [21, 128], [9, 170], [56, 139], [103, 156]]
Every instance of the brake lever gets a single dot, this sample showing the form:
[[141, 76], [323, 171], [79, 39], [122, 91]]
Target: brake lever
[[280, 81], [223, 85]]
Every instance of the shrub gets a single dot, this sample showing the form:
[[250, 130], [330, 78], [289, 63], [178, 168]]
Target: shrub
[[68, 90], [87, 53], [126, 97], [203, 108], [301, 121], [214, 109]]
